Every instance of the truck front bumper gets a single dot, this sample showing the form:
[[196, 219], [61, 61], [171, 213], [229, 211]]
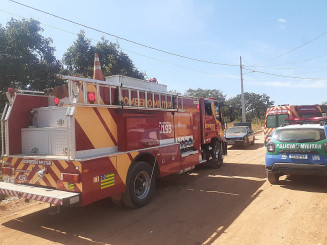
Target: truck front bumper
[[296, 168], [56, 197], [236, 142]]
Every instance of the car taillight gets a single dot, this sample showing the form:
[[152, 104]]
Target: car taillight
[[271, 147], [8, 170], [91, 96], [70, 178], [325, 146], [11, 90], [56, 100]]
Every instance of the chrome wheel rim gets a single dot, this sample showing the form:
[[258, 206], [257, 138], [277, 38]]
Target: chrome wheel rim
[[142, 184]]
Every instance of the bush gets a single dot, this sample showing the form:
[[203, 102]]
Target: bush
[[256, 124]]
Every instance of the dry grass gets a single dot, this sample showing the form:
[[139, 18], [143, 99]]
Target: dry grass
[[257, 125]]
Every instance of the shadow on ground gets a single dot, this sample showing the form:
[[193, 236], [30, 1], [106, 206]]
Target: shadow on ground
[[316, 184], [192, 208], [255, 146]]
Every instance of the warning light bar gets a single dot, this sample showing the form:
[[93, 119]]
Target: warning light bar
[[313, 120]]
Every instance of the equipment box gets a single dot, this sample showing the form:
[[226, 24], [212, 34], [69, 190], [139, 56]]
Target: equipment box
[[51, 116], [45, 141]]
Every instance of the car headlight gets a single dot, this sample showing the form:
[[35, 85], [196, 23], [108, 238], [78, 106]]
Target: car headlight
[[271, 147]]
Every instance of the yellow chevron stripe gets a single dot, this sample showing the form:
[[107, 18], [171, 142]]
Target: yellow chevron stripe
[[56, 171], [14, 160], [123, 163], [110, 122], [51, 180], [93, 127], [41, 182], [63, 164], [79, 186], [20, 166], [134, 153]]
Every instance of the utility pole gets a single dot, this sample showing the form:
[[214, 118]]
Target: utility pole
[[242, 92]]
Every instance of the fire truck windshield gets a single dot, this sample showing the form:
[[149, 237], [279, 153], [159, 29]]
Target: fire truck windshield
[[274, 121]]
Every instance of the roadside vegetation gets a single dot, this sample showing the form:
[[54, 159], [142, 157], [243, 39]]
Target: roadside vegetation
[[27, 61]]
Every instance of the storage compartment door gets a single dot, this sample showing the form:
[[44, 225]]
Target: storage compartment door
[[35, 141]]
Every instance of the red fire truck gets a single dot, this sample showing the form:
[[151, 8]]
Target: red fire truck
[[275, 116], [102, 139]]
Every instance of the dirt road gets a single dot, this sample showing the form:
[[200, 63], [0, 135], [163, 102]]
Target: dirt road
[[231, 205]]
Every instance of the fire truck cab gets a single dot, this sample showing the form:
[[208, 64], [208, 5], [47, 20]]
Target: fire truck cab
[[276, 116], [104, 139]]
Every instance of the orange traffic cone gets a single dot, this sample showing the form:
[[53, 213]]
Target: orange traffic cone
[[97, 73]]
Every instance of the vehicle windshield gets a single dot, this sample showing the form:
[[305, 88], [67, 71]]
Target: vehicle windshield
[[236, 130], [275, 121], [300, 135]]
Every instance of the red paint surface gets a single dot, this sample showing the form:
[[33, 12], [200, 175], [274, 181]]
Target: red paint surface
[[91, 189], [20, 117], [138, 131], [169, 160]]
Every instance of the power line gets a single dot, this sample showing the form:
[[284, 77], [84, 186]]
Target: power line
[[279, 75], [122, 38], [276, 57], [291, 68], [126, 50]]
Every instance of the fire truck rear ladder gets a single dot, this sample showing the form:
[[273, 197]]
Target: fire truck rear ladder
[[73, 95]]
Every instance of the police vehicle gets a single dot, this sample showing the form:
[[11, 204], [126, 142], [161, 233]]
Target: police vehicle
[[297, 148]]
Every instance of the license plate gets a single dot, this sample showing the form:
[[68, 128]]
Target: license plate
[[299, 156]]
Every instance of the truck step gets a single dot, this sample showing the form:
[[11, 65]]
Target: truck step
[[56, 197]]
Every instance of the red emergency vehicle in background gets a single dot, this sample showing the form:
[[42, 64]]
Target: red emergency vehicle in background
[[102, 139], [275, 116]]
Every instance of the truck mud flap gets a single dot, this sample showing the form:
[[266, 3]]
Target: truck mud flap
[[56, 197]]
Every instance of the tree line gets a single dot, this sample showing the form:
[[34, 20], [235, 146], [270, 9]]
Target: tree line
[[27, 61]]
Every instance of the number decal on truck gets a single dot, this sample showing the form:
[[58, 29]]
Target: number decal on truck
[[165, 127]]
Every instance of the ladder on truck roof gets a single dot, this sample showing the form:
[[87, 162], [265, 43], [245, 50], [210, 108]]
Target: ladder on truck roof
[[165, 98]]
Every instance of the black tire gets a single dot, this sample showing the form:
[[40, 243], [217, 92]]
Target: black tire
[[252, 143], [273, 178], [216, 155], [139, 191]]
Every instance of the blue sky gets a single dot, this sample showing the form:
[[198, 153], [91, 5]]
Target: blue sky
[[217, 31]]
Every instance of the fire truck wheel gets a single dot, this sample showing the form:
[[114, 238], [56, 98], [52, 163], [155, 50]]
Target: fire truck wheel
[[139, 186], [217, 156]]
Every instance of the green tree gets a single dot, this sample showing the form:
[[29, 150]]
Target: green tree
[[26, 57], [207, 93], [255, 106], [79, 58]]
